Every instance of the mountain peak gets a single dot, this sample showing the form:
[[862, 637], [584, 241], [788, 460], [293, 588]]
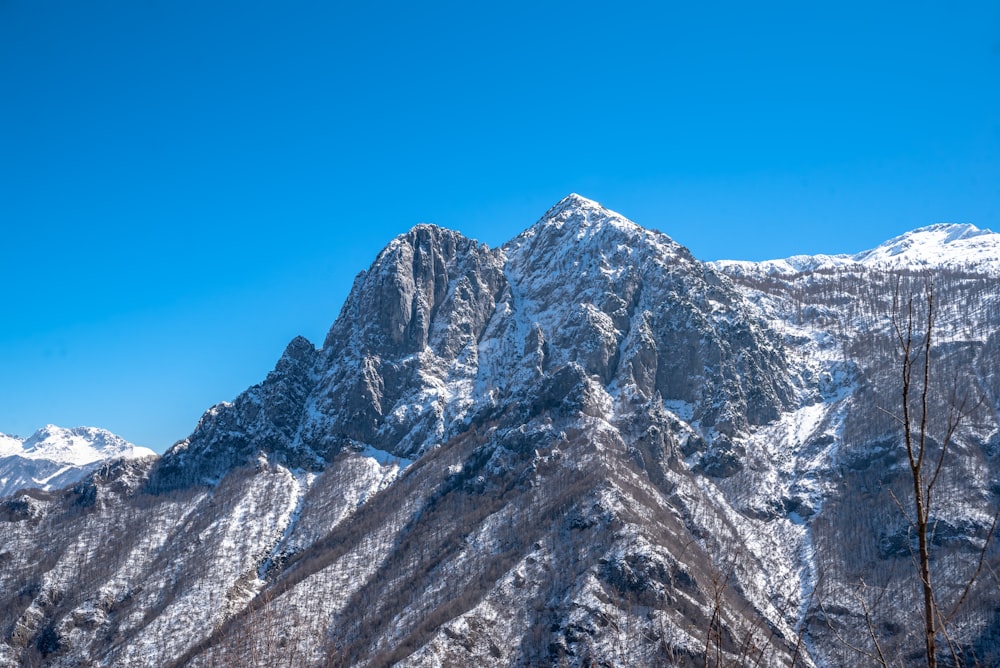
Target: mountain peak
[[79, 446], [574, 204], [929, 241], [575, 218], [422, 228], [55, 457], [952, 231], [577, 225], [941, 245], [574, 201], [422, 237]]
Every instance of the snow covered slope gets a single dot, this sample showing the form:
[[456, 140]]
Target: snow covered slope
[[54, 457], [941, 246], [836, 465], [10, 445]]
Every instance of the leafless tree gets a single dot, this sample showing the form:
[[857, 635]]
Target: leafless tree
[[913, 324]]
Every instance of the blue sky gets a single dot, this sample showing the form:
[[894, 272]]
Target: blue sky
[[185, 186]]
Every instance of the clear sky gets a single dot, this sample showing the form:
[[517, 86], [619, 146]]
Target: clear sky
[[187, 185]]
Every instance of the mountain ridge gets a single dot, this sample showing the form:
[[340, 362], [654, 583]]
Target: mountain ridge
[[940, 245]]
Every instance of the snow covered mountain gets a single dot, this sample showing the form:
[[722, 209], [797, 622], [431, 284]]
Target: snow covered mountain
[[585, 447], [941, 246], [54, 457]]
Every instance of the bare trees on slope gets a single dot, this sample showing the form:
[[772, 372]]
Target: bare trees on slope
[[928, 441]]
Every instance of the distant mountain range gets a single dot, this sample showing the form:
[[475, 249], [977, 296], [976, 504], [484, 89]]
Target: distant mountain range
[[54, 457], [583, 448]]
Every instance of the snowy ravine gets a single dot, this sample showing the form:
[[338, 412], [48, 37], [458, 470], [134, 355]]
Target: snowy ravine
[[585, 447]]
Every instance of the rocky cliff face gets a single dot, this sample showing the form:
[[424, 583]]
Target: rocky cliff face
[[387, 376], [441, 328], [582, 448]]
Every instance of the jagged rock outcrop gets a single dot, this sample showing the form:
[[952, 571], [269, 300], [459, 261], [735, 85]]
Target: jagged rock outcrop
[[442, 327], [399, 365], [264, 419], [637, 311]]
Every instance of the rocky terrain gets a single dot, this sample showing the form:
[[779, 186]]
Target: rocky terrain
[[583, 448]]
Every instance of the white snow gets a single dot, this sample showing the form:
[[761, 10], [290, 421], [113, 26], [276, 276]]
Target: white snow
[[58, 472], [78, 446], [386, 458], [10, 445], [950, 245]]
